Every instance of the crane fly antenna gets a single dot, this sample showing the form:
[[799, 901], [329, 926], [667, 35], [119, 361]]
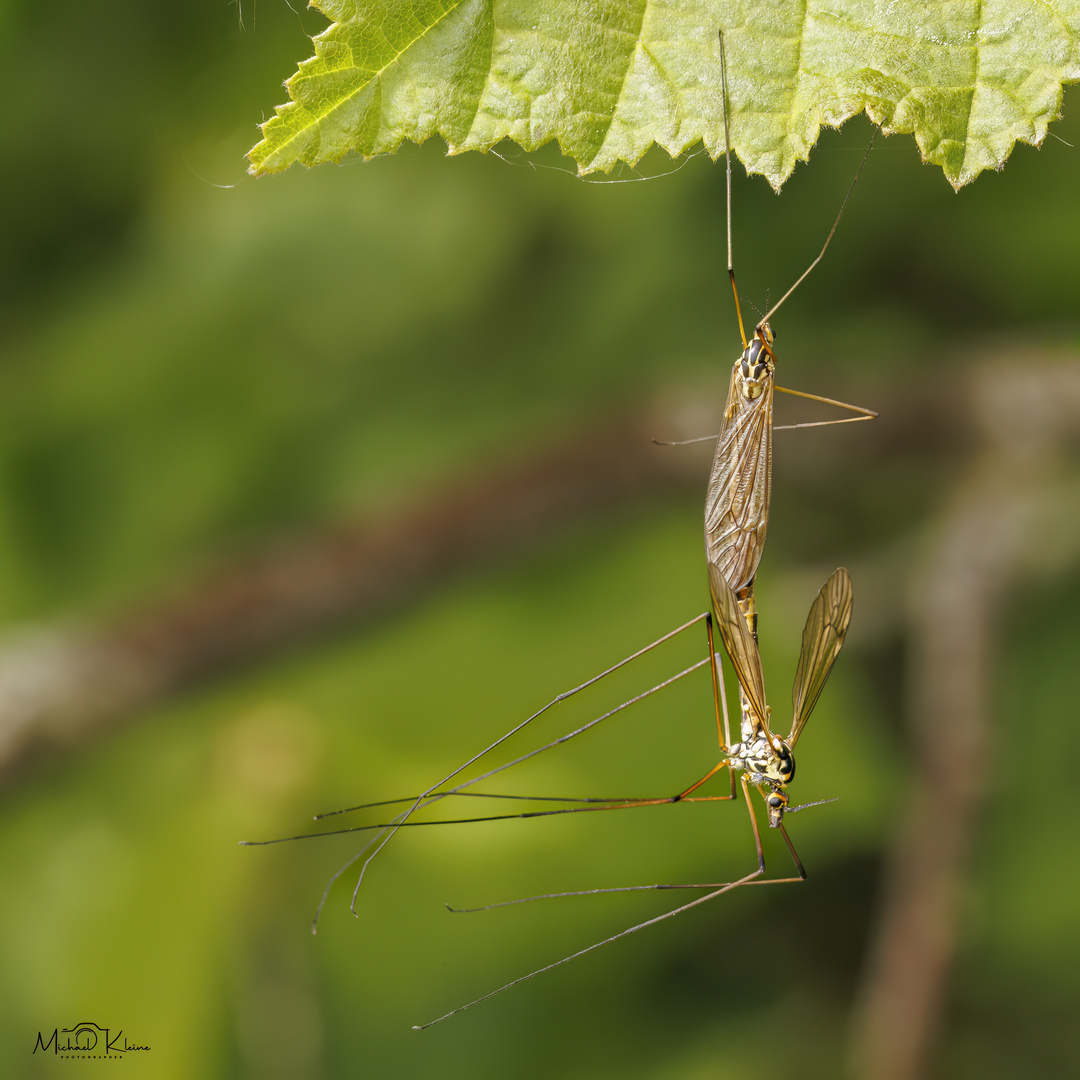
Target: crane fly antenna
[[843, 206], [807, 805], [744, 445]]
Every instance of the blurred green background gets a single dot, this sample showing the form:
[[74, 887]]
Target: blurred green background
[[195, 364]]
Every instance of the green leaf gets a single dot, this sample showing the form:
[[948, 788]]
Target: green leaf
[[607, 79]]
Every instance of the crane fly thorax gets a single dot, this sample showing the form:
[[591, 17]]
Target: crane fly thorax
[[755, 366], [764, 762]]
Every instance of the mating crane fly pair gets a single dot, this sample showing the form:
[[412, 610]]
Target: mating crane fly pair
[[736, 519]]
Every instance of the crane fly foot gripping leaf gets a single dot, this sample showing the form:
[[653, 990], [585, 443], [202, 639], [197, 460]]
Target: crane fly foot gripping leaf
[[608, 80]]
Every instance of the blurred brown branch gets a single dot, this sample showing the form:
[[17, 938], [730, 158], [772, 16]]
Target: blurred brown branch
[[60, 684], [1023, 406]]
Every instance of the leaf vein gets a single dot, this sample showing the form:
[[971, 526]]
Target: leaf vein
[[332, 107]]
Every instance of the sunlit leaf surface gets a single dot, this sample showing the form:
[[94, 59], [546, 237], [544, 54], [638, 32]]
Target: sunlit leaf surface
[[607, 80]]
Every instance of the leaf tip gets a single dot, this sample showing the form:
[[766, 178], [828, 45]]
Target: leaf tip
[[256, 158]]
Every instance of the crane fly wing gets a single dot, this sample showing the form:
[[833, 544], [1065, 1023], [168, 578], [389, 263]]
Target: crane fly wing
[[739, 643], [737, 502], [823, 636]]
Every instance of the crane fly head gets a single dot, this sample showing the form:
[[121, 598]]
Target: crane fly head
[[777, 802], [756, 362], [780, 773]]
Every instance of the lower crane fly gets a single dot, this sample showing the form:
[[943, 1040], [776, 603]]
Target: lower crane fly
[[763, 759]]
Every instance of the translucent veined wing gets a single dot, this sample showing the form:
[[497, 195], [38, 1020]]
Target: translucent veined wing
[[737, 501], [740, 645], [822, 638]]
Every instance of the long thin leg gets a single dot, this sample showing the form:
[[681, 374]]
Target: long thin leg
[[761, 851], [723, 725], [748, 879], [477, 795], [820, 423], [727, 163], [605, 801], [617, 889], [431, 796], [583, 728], [354, 858], [776, 427], [754, 826], [828, 239], [431, 792], [602, 804], [723, 733], [586, 892], [685, 442], [758, 876], [498, 742], [718, 691], [684, 796], [794, 857], [868, 413], [607, 941], [864, 414]]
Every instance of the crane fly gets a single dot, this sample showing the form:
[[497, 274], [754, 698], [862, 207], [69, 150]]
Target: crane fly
[[763, 759], [740, 482]]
